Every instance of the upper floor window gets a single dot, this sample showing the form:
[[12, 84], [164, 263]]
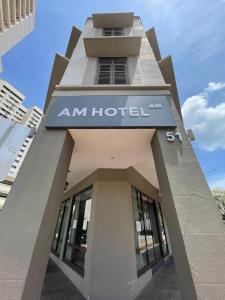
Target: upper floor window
[[117, 31], [112, 70]]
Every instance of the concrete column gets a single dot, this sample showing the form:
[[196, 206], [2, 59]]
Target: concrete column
[[111, 271], [28, 219], [197, 233]]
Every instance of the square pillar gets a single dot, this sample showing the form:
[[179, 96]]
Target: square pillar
[[111, 261], [28, 219], [196, 230]]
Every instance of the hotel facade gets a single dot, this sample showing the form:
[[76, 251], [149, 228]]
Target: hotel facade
[[111, 186]]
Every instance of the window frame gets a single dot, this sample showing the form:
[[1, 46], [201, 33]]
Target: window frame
[[113, 31], [76, 268], [63, 207], [139, 195], [158, 210], [113, 64]]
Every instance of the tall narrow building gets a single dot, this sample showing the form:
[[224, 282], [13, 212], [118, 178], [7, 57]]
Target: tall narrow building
[[111, 185], [16, 21]]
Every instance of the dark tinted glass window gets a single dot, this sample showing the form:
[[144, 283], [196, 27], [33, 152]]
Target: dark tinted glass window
[[117, 31], [162, 231], [60, 227], [150, 237], [76, 242]]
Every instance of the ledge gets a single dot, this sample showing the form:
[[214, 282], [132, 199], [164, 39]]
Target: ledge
[[111, 87], [113, 20], [130, 175], [113, 46]]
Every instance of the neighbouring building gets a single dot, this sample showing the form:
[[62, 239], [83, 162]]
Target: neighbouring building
[[11, 102], [16, 21], [11, 107], [111, 185]]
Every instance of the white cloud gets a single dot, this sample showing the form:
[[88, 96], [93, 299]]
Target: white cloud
[[214, 86], [207, 122], [218, 183]]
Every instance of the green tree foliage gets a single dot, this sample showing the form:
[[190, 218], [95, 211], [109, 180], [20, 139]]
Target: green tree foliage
[[219, 196]]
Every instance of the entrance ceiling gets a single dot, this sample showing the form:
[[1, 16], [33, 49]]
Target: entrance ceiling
[[111, 148]]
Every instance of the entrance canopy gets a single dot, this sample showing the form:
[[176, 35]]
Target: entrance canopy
[[111, 148]]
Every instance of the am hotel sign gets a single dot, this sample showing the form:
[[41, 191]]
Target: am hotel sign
[[110, 112]]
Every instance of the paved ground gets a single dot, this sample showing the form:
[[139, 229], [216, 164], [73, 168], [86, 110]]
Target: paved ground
[[57, 286], [163, 286]]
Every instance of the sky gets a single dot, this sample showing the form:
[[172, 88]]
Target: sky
[[193, 32]]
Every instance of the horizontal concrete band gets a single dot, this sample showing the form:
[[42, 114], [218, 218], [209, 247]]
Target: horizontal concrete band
[[111, 87], [129, 175]]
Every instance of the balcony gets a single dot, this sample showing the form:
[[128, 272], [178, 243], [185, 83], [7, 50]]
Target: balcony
[[113, 46], [113, 20]]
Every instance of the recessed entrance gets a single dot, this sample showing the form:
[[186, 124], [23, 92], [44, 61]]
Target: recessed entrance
[[113, 232]]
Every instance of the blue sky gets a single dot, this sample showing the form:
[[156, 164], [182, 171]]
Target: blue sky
[[193, 32]]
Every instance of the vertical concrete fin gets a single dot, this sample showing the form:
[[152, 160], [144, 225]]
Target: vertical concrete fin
[[58, 69], [74, 37], [166, 67], [152, 39]]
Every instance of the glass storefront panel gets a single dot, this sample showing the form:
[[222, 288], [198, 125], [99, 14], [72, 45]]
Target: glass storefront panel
[[155, 230], [60, 228], [76, 243], [140, 241], [162, 231], [149, 230]]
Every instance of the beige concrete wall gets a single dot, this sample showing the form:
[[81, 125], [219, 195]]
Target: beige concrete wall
[[74, 74], [146, 70], [197, 233]]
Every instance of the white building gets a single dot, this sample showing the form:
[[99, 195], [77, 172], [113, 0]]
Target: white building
[[32, 119], [11, 102], [11, 107], [16, 21]]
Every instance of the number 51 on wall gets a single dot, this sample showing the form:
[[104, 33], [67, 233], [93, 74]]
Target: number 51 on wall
[[172, 136]]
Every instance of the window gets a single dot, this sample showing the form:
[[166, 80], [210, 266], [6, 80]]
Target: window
[[76, 241], [162, 231], [117, 31], [60, 228], [112, 70], [148, 240]]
